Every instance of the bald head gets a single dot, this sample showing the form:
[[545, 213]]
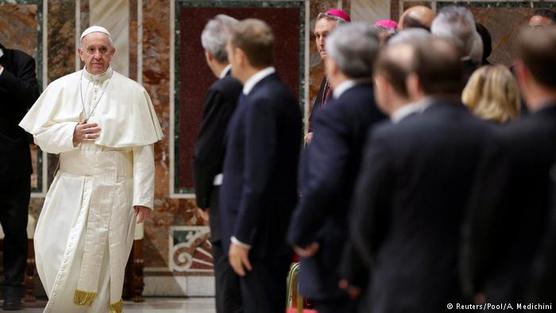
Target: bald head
[[542, 18], [416, 17]]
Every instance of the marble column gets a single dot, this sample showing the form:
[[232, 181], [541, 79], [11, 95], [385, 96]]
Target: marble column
[[370, 10], [114, 16]]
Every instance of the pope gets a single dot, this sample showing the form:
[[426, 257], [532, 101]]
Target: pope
[[103, 127]]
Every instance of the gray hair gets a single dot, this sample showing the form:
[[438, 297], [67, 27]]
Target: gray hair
[[410, 36], [339, 20], [388, 31], [216, 34], [354, 48], [458, 25], [476, 54]]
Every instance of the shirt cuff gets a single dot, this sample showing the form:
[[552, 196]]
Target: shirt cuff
[[218, 180], [145, 204], [239, 243]]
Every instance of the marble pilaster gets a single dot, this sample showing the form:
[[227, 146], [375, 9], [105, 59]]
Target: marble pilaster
[[156, 77], [114, 16], [19, 27], [369, 10], [61, 38], [133, 24]]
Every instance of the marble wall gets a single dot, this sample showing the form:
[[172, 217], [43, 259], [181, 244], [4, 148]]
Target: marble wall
[[18, 24], [503, 19], [369, 10], [193, 78], [114, 15]]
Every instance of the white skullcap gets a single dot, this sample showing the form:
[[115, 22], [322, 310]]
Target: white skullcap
[[95, 29]]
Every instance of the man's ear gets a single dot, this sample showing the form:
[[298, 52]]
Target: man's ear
[[522, 74], [241, 57], [80, 52], [209, 57], [382, 90], [335, 67], [414, 86], [331, 67]]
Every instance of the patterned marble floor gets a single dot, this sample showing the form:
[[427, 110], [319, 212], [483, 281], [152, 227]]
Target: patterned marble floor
[[161, 305]]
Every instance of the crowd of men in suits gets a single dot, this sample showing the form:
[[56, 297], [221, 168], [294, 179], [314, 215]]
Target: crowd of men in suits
[[400, 200]]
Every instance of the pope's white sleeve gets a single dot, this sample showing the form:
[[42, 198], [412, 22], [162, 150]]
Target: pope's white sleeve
[[143, 176], [56, 138]]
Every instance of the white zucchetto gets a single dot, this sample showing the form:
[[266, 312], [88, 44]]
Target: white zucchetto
[[95, 29]]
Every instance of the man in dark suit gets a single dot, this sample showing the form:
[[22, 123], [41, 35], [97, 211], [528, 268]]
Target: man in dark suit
[[326, 22], [18, 91], [318, 230], [410, 196], [220, 103], [457, 24], [259, 189], [510, 209], [391, 70]]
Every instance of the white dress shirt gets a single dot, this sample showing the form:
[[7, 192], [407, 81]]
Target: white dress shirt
[[225, 71], [408, 109], [1, 54], [343, 87], [255, 79]]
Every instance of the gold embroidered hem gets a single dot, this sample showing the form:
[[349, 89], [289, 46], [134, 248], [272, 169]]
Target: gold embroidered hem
[[83, 297], [117, 307]]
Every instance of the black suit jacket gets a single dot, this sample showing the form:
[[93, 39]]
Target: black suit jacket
[[542, 288], [18, 91], [510, 208], [468, 68], [331, 164], [319, 101], [220, 103], [409, 206], [259, 190]]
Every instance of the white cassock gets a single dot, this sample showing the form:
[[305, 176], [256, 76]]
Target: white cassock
[[86, 227]]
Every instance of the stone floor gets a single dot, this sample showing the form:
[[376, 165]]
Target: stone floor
[[161, 305]]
